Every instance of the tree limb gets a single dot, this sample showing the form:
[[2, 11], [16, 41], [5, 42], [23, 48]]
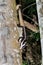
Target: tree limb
[[30, 26]]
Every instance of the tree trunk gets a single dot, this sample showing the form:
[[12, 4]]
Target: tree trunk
[[40, 18], [10, 53]]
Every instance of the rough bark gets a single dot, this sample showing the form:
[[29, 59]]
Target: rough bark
[[40, 19], [10, 53]]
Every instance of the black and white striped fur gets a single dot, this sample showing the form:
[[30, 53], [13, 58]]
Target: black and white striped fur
[[22, 38]]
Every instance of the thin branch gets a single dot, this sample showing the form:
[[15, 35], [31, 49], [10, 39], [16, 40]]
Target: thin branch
[[30, 19], [28, 6]]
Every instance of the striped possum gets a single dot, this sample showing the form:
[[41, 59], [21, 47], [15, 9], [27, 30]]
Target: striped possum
[[21, 28]]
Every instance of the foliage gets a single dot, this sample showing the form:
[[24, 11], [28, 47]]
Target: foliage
[[27, 2], [25, 63]]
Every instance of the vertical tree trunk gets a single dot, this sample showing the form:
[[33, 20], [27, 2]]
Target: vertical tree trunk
[[9, 35], [40, 18]]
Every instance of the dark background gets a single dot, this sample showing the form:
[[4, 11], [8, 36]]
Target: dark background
[[32, 52]]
